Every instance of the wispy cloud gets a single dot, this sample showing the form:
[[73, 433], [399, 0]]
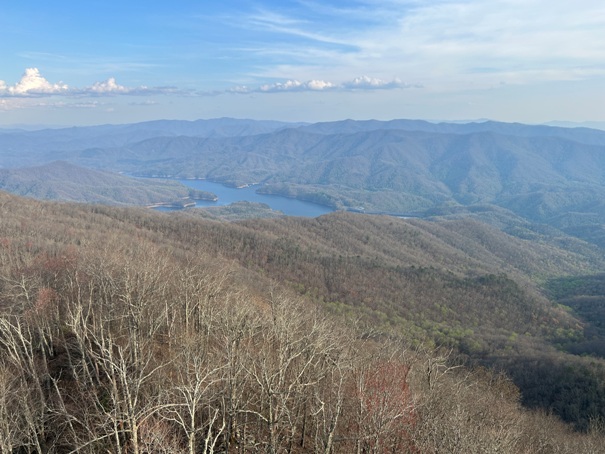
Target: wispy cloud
[[70, 105], [273, 22], [437, 43], [147, 102], [7, 105], [442, 42], [18, 103]]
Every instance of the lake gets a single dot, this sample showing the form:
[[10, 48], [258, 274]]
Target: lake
[[227, 195]]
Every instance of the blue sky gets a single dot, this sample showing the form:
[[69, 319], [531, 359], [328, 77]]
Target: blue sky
[[94, 62]]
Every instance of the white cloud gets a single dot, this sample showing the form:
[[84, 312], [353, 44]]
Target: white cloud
[[238, 89], [110, 86], [293, 85], [320, 85], [373, 83], [32, 84], [290, 85]]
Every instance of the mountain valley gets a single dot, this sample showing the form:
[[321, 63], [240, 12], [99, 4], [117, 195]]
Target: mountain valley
[[485, 300]]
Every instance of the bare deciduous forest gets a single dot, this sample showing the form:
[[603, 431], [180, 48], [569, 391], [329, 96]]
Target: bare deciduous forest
[[124, 330]]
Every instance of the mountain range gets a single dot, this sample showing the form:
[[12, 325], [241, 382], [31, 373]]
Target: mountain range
[[544, 174], [496, 257]]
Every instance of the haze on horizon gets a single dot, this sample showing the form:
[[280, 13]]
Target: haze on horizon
[[83, 63]]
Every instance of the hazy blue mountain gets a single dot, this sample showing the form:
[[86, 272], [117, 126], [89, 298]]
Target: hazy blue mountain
[[578, 134], [20, 147], [583, 124]]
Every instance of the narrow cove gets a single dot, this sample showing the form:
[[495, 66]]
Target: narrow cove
[[227, 195]]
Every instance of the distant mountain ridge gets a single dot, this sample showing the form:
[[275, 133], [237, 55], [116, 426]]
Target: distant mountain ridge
[[578, 134], [542, 173], [14, 142]]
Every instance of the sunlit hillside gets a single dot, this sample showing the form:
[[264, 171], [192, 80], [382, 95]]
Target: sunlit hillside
[[135, 331]]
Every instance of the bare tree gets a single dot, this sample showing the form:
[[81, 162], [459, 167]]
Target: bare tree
[[195, 402], [290, 358], [19, 346]]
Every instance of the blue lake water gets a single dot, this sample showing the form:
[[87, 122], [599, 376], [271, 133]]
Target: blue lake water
[[227, 195]]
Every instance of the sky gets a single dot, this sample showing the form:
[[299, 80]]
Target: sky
[[96, 62]]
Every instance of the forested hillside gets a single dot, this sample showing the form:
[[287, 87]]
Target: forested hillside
[[68, 182], [542, 174], [124, 330]]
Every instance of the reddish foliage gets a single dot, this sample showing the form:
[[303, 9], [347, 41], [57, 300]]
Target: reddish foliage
[[385, 387], [385, 411], [46, 297]]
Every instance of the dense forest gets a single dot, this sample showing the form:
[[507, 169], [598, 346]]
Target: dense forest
[[127, 330]]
